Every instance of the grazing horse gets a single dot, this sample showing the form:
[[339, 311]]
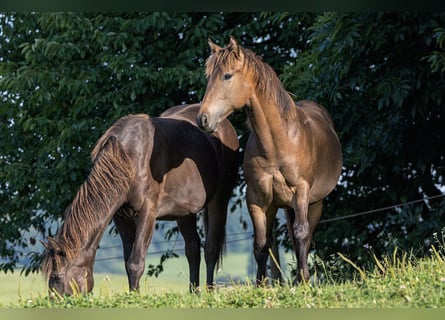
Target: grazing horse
[[293, 156], [147, 168]]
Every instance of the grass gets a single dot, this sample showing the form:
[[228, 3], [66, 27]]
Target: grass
[[397, 281], [15, 289]]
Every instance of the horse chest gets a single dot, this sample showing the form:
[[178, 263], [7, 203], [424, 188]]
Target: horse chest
[[281, 191], [272, 186]]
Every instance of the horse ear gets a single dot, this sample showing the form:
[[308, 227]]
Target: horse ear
[[213, 47], [234, 46]]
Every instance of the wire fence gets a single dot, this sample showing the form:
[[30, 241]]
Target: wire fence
[[234, 238], [242, 236], [395, 206], [176, 246]]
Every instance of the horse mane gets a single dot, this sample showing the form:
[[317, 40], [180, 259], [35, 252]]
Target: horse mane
[[108, 180], [267, 81]]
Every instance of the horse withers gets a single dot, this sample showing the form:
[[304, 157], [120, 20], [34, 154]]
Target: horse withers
[[147, 168], [292, 157]]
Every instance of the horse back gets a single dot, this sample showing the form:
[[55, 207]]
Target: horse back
[[224, 140], [213, 157], [173, 156]]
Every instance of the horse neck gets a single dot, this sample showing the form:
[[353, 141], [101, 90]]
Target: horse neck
[[85, 243], [268, 124]]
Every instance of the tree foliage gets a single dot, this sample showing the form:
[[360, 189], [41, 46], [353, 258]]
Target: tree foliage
[[381, 77], [66, 77]]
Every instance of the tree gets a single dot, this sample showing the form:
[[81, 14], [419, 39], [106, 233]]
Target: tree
[[381, 77], [66, 77]]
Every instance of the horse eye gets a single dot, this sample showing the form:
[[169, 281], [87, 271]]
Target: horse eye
[[227, 76], [56, 277]]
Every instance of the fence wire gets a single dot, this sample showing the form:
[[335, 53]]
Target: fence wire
[[395, 206], [250, 235]]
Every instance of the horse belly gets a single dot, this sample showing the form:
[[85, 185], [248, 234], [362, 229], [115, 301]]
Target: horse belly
[[269, 187], [183, 192], [326, 174], [323, 186]]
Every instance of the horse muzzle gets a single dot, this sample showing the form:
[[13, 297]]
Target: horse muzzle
[[204, 123]]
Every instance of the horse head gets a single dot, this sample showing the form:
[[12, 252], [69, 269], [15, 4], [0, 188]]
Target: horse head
[[229, 84], [66, 274]]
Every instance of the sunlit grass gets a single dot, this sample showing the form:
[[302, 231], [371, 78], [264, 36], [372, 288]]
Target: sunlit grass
[[16, 288], [399, 280], [396, 281]]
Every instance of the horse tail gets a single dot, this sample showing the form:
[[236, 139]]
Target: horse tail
[[222, 240]]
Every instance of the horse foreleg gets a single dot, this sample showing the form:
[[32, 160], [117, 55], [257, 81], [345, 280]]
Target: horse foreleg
[[187, 227], [306, 219], [145, 222], [262, 225]]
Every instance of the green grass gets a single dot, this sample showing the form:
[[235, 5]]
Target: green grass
[[396, 281], [15, 289]]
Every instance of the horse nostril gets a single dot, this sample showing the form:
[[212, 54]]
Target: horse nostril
[[203, 121]]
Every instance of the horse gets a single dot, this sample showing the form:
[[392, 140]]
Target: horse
[[147, 168], [293, 156]]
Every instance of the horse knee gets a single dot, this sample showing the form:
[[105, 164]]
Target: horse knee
[[302, 232]]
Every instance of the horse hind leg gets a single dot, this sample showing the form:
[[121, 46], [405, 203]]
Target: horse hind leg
[[187, 227], [290, 219], [263, 226]]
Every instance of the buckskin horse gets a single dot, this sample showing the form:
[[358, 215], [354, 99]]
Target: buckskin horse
[[292, 157], [147, 168]]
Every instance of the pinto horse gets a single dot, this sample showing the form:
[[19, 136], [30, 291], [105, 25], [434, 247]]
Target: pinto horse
[[293, 156], [147, 168]]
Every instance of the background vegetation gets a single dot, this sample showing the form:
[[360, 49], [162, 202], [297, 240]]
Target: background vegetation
[[66, 77]]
